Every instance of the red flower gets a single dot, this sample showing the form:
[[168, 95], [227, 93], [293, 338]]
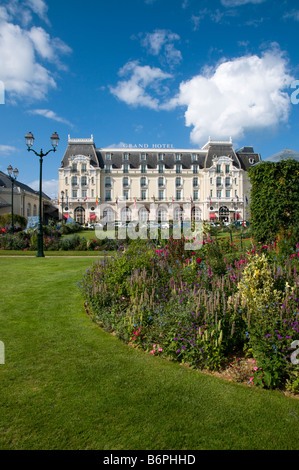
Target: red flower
[[198, 260]]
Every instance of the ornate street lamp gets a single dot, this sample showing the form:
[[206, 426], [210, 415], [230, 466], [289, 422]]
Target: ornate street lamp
[[29, 139], [62, 196], [12, 174]]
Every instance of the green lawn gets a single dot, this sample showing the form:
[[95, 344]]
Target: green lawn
[[66, 384]]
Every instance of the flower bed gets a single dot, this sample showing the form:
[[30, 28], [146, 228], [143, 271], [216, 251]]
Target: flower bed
[[203, 308]]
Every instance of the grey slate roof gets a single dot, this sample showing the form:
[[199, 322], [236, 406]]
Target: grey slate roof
[[286, 153], [205, 159], [86, 149], [6, 183]]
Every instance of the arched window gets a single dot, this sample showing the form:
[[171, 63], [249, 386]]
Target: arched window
[[196, 214], [108, 214], [126, 214], [34, 210], [178, 214], [80, 215], [143, 214], [28, 209], [162, 214]]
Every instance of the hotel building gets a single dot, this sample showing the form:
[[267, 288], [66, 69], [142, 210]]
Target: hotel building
[[131, 183]]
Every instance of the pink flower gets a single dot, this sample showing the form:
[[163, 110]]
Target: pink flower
[[160, 349], [255, 368], [152, 352], [253, 361]]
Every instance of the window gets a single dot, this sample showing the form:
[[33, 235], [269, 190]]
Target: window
[[66, 180], [195, 195], [194, 157], [107, 168], [66, 194], [227, 181], [107, 195], [211, 193], [211, 180], [177, 156], [178, 168], [34, 210], [143, 168], [219, 193], [83, 181], [161, 194], [218, 181], [83, 167], [143, 194], [108, 156], [126, 156], [178, 194], [143, 156], [126, 194], [160, 156], [74, 181], [74, 193], [195, 182], [226, 168], [251, 161], [227, 193], [108, 182], [84, 193], [235, 180], [126, 168], [218, 168], [161, 181], [92, 193], [161, 168], [195, 169], [125, 181], [92, 180], [178, 181], [143, 214], [74, 167], [28, 209], [143, 181]]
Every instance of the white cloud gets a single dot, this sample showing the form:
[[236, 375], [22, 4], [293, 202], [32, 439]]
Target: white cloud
[[50, 187], [294, 14], [236, 3], [20, 50], [133, 91], [241, 94], [39, 7], [47, 113], [161, 42], [6, 150]]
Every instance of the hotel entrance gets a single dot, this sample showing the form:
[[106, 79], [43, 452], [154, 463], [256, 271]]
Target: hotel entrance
[[80, 215]]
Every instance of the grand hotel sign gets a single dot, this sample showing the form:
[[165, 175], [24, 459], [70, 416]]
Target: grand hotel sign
[[148, 146]]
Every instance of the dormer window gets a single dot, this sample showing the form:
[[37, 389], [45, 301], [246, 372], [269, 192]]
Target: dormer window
[[143, 168], [126, 168], [143, 156], [178, 168], [194, 157], [160, 157], [107, 168], [161, 168], [126, 156], [195, 169], [251, 161], [108, 156], [177, 156]]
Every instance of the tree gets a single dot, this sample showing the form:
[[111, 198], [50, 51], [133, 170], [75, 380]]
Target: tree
[[274, 200], [5, 221]]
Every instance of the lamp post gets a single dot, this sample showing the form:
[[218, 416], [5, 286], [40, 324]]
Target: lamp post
[[29, 139], [62, 196], [12, 174]]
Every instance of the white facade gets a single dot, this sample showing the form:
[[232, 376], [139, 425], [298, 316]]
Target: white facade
[[130, 182]]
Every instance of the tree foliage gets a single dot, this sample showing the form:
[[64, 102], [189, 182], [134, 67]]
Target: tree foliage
[[19, 220], [274, 199]]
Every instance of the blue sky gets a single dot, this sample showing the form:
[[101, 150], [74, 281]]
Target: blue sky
[[146, 71]]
